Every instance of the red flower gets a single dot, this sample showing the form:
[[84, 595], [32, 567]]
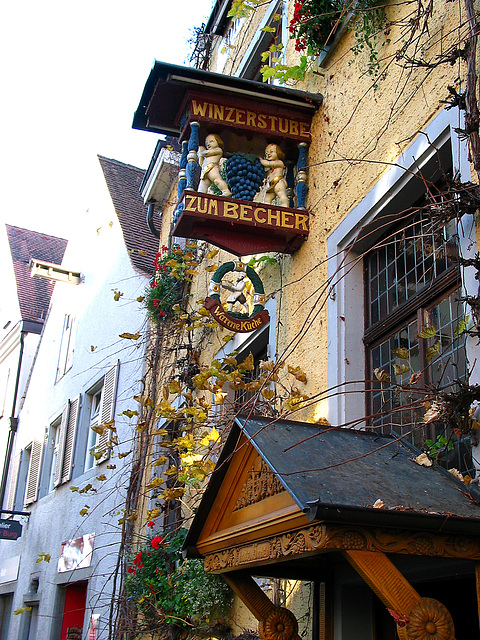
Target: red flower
[[138, 560], [156, 542], [132, 570], [162, 313], [151, 523], [156, 302], [152, 284], [151, 588]]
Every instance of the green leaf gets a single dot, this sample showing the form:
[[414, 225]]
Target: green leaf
[[462, 326], [428, 332], [401, 353], [268, 30], [433, 351]]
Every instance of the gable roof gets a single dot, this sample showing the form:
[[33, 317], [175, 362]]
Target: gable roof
[[34, 294], [124, 182], [337, 475]]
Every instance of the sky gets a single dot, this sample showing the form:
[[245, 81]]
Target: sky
[[71, 78]]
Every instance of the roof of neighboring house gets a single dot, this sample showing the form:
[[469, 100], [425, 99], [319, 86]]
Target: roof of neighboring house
[[34, 294], [124, 182]]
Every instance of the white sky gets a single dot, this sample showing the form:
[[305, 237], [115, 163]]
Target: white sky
[[71, 77]]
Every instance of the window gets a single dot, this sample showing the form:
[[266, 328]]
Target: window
[[412, 280], [67, 343], [100, 408], [25, 476], [251, 62], [412, 285]]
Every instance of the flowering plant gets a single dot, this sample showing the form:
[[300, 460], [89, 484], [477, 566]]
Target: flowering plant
[[174, 269], [173, 592]]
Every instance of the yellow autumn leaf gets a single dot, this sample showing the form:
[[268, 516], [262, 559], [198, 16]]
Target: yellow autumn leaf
[[155, 482], [159, 461], [171, 471], [92, 348], [111, 466], [83, 512], [176, 308], [175, 387], [248, 364], [211, 268], [130, 336], [142, 252], [297, 373], [140, 298], [211, 254], [129, 413], [153, 513], [17, 612], [268, 394], [117, 295], [220, 397], [227, 338], [124, 455]]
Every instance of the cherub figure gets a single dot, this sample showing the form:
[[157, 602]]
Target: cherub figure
[[277, 185], [237, 294], [213, 152]]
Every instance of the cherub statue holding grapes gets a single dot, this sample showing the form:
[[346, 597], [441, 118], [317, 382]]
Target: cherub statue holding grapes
[[276, 183], [211, 155]]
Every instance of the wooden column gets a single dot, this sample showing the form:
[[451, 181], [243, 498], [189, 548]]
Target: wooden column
[[275, 623], [417, 618]]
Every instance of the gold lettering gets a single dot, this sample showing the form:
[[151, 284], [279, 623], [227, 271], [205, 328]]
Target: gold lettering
[[230, 210], [202, 206], [284, 220], [301, 221], [230, 111], [257, 217], [213, 207], [240, 113], [245, 211], [189, 202], [293, 128], [273, 122], [283, 128], [276, 215], [218, 112], [199, 109], [251, 117], [262, 123], [304, 130], [210, 110]]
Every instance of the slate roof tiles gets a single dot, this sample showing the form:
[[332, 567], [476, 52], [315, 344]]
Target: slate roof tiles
[[34, 294], [123, 181]]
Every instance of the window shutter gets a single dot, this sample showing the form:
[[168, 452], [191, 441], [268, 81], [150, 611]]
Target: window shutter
[[34, 472], [70, 434], [107, 408], [61, 445], [13, 481]]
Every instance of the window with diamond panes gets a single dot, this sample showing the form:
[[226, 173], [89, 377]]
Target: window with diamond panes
[[412, 282]]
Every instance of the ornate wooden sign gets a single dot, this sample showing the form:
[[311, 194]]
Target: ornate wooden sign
[[241, 227], [10, 529], [234, 321], [263, 120]]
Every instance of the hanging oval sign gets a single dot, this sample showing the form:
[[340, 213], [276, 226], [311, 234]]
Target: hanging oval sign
[[235, 321]]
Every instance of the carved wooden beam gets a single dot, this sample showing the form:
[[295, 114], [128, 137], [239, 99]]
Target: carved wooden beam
[[417, 618], [275, 623]]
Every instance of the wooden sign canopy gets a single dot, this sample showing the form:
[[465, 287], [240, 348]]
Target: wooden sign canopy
[[245, 117]]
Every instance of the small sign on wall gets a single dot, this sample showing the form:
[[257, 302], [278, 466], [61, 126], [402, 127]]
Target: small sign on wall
[[76, 553], [10, 529]]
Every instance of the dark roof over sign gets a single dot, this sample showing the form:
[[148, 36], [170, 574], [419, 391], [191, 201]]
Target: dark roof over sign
[[337, 475], [34, 294], [167, 85], [124, 182]]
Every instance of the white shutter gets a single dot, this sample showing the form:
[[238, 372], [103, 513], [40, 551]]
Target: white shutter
[[61, 445], [70, 434], [107, 408], [13, 481], [34, 472]]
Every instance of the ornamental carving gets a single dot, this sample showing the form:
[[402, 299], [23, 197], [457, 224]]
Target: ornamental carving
[[428, 620], [324, 537], [280, 624], [260, 484]]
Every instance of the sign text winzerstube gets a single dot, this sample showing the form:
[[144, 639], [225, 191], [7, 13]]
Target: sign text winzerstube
[[266, 123], [251, 213]]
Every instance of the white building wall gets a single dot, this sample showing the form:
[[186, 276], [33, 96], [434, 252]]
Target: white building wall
[[98, 251]]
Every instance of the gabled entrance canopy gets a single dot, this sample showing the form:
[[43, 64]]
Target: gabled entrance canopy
[[290, 500]]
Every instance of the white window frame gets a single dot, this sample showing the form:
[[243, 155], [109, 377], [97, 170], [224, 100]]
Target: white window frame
[[67, 346], [346, 361]]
